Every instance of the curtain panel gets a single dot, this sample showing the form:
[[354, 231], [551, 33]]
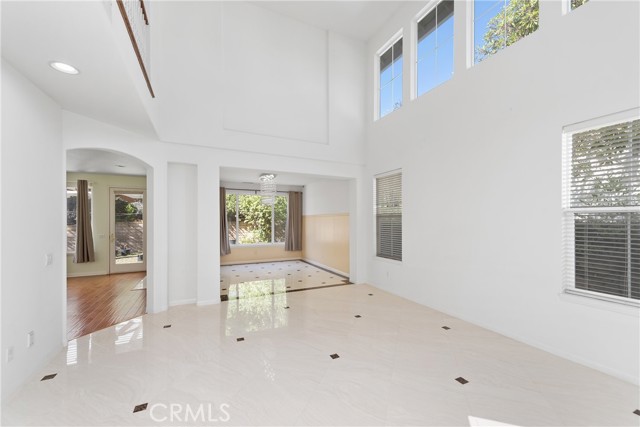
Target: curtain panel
[[84, 236], [293, 235], [225, 247]]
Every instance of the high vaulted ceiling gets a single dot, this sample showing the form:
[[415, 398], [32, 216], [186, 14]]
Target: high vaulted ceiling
[[34, 33], [78, 33]]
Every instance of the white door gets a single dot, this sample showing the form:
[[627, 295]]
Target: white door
[[127, 234]]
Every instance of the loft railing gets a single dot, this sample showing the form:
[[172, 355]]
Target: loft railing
[[136, 19]]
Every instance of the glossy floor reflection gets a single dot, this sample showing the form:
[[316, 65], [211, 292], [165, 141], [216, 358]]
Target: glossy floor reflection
[[267, 278], [305, 358]]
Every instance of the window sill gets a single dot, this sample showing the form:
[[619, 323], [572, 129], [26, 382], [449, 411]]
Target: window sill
[[254, 245], [387, 260], [601, 301]]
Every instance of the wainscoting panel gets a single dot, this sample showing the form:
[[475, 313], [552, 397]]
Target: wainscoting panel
[[325, 240]]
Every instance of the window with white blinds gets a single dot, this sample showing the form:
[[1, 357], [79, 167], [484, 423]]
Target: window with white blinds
[[388, 212], [602, 211]]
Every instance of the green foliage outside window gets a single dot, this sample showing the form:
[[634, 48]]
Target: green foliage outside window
[[518, 19], [252, 221]]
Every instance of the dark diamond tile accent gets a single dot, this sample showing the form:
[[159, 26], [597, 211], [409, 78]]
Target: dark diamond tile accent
[[637, 412], [166, 326], [224, 289], [370, 295], [357, 316], [287, 307], [334, 355], [299, 280], [240, 339], [139, 408], [224, 297], [461, 380], [48, 377], [288, 287], [446, 328]]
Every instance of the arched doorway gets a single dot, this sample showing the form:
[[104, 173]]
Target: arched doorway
[[111, 288]]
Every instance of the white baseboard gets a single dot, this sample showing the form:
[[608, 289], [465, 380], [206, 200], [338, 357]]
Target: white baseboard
[[182, 302], [326, 267], [208, 302], [90, 273], [258, 261]]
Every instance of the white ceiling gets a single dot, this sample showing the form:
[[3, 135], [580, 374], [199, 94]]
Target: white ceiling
[[78, 33], [244, 176], [357, 19], [101, 161]]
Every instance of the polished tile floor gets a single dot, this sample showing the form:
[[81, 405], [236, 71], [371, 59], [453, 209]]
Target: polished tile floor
[[266, 278], [347, 355]]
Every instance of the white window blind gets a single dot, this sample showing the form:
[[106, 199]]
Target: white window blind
[[388, 211], [602, 210]]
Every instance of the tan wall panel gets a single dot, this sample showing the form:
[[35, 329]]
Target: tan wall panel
[[326, 240], [248, 254]]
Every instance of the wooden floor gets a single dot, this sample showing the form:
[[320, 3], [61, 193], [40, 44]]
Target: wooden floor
[[97, 302]]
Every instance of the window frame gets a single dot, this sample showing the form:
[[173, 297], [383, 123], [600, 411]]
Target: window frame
[[273, 223], [430, 7], [471, 23], [568, 212], [376, 66], [375, 217], [566, 6]]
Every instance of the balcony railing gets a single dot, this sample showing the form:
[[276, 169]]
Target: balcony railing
[[136, 20]]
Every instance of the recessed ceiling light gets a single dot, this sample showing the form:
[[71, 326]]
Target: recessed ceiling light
[[64, 68]]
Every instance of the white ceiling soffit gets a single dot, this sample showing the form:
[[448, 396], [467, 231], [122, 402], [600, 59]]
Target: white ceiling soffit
[[237, 175], [357, 19], [78, 33], [107, 162]]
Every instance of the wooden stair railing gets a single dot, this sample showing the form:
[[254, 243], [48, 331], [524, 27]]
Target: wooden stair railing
[[135, 20]]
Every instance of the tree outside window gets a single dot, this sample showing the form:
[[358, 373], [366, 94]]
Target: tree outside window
[[252, 222]]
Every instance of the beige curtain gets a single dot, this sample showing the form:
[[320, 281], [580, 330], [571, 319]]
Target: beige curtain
[[84, 236], [293, 235], [225, 248]]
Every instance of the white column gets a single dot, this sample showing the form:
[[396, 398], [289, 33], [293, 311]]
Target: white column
[[208, 287], [157, 240], [360, 215]]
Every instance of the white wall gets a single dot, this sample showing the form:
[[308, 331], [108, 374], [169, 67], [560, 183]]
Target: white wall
[[326, 197], [244, 78], [481, 162], [276, 75], [33, 203], [183, 233]]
